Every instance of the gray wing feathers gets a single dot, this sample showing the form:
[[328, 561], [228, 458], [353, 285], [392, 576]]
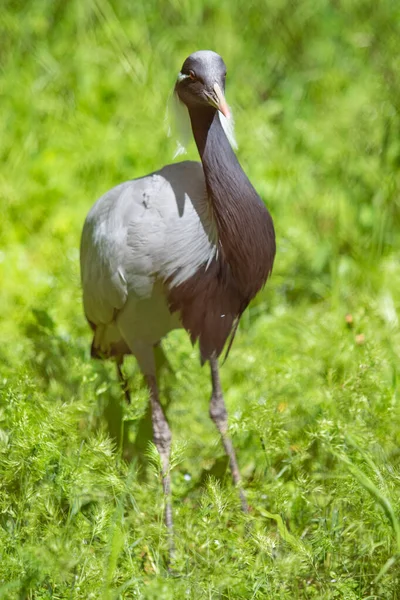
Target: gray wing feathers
[[103, 282], [158, 227]]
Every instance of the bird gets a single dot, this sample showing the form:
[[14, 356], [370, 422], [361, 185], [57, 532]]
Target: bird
[[187, 246]]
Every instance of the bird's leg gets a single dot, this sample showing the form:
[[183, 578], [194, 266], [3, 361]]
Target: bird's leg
[[219, 415], [162, 440], [123, 380]]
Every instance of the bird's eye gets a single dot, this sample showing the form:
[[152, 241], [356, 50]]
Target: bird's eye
[[192, 75]]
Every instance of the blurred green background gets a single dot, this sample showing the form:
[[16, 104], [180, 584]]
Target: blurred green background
[[311, 382]]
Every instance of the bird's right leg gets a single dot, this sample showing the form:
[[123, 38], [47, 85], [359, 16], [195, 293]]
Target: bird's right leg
[[219, 415], [145, 356], [123, 380], [162, 440]]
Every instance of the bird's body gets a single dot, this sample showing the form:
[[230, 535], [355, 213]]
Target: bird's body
[[140, 240], [187, 246]]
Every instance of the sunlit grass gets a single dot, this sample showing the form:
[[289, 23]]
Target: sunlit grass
[[312, 379]]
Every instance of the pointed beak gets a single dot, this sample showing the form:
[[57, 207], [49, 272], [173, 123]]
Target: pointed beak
[[217, 99]]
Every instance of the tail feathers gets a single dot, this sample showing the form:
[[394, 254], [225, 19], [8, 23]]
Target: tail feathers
[[107, 342], [116, 349]]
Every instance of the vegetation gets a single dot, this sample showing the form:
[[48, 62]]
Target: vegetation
[[312, 379]]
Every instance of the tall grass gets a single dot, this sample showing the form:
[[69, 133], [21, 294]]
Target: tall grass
[[312, 380]]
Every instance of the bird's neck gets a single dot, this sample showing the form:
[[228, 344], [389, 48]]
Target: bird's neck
[[212, 143], [245, 229]]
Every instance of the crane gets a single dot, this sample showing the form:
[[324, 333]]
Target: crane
[[186, 246]]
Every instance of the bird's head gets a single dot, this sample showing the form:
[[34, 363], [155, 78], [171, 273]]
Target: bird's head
[[201, 81]]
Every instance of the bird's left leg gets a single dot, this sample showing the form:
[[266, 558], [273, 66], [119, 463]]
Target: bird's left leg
[[219, 415], [162, 439]]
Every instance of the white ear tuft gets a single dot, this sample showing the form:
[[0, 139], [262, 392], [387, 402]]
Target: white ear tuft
[[178, 124], [179, 128], [228, 125]]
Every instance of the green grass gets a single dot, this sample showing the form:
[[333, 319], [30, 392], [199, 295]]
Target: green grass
[[313, 398]]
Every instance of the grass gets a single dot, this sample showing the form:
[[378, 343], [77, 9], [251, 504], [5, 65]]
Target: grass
[[312, 380]]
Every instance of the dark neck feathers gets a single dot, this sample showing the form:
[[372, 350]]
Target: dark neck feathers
[[245, 228], [213, 299]]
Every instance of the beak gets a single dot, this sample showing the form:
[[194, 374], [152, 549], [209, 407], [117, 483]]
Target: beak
[[217, 99]]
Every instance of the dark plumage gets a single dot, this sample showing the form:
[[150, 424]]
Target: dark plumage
[[246, 247]]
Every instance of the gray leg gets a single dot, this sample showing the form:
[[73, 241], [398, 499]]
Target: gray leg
[[123, 380], [162, 440], [219, 415]]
